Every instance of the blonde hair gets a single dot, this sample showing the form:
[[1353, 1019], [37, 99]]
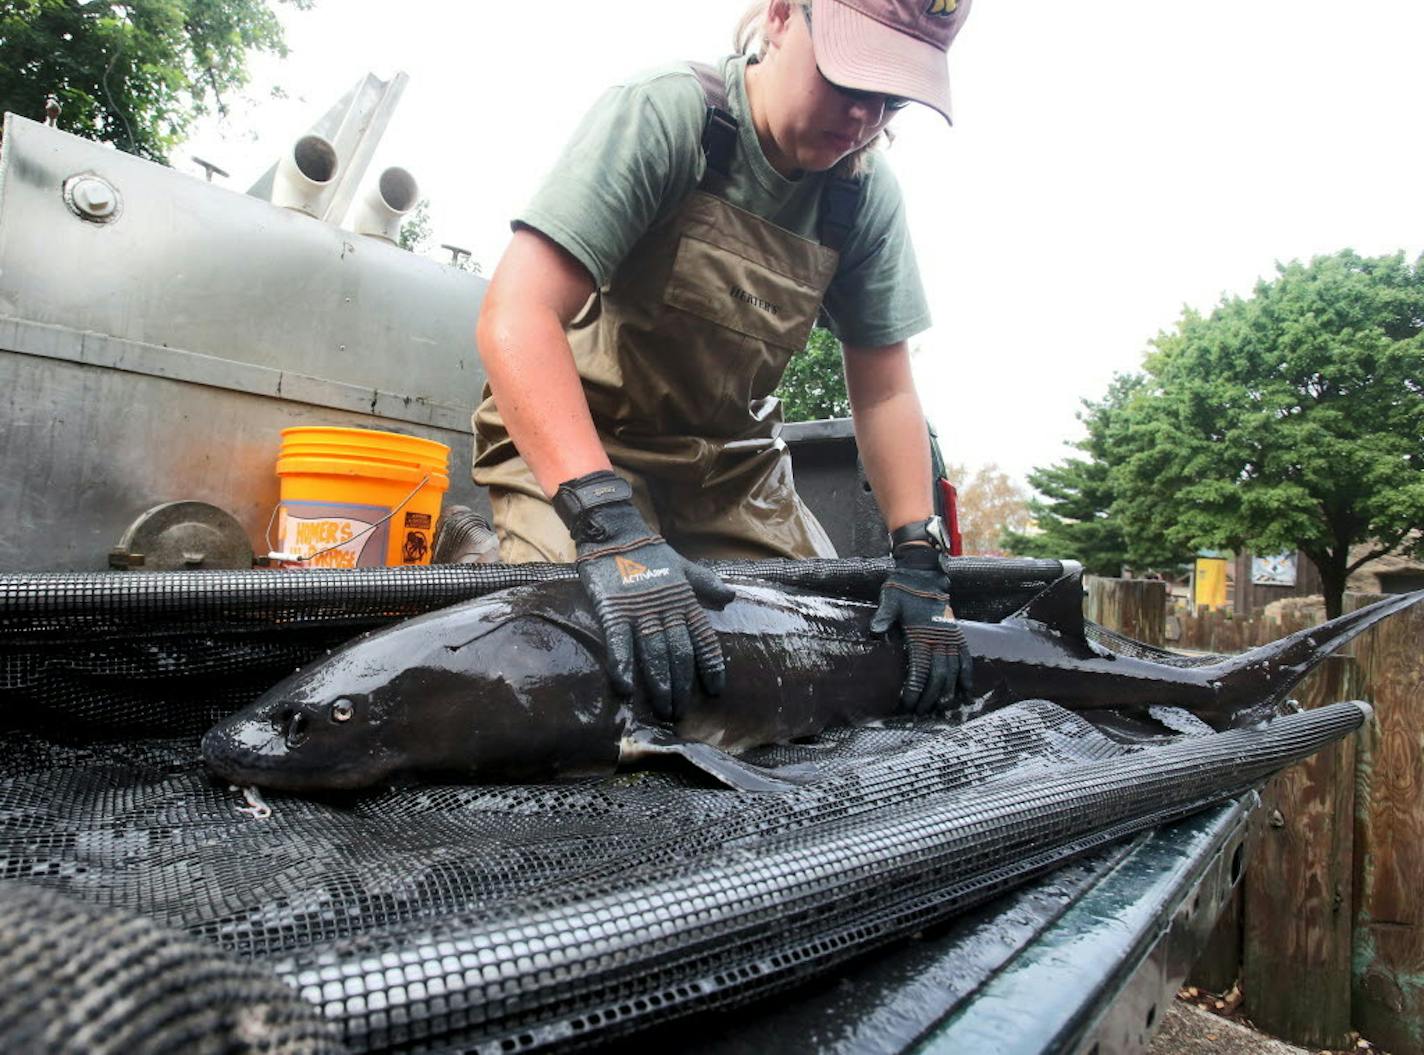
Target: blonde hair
[[749, 39]]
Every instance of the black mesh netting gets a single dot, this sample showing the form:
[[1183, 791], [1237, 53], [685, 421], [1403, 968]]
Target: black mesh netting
[[84, 980], [469, 918]]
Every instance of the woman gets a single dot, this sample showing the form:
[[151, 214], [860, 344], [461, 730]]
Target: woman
[[653, 292]]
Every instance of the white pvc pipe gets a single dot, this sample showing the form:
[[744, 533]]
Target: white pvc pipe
[[305, 175], [379, 212]]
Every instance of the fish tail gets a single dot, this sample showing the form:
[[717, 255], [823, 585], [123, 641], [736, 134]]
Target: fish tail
[[1264, 675]]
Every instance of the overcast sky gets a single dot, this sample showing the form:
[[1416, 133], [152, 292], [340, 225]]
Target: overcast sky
[[1109, 163]]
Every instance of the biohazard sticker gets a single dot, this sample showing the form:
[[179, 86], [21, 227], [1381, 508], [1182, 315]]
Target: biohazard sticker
[[414, 548]]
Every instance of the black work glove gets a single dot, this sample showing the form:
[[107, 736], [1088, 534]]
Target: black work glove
[[645, 595], [916, 595]]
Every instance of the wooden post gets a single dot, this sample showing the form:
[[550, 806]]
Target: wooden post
[[1135, 607], [1296, 950], [1389, 838], [1228, 633]]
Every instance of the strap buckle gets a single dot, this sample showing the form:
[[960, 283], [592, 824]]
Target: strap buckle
[[719, 140]]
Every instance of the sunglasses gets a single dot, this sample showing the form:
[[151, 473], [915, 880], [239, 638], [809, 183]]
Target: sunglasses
[[892, 103]]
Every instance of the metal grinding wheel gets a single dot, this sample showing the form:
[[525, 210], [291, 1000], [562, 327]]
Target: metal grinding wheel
[[178, 535]]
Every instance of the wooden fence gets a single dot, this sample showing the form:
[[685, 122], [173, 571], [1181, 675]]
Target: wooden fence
[[1221, 630], [1327, 930]]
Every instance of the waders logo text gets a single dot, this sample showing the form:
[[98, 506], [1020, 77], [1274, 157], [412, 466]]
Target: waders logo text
[[757, 302]]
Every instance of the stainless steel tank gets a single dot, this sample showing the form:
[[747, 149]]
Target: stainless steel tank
[[157, 332]]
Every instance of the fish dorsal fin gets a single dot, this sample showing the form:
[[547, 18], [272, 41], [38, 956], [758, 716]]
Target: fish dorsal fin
[[1059, 606]]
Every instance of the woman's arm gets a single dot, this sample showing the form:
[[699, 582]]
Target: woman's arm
[[890, 431], [537, 289]]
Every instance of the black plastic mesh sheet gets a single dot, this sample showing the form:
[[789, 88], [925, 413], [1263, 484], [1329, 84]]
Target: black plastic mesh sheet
[[480, 918], [984, 588], [81, 980], [509, 918]]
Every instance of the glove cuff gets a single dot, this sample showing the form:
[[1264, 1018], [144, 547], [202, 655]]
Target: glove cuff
[[924, 565], [917, 558], [597, 507]]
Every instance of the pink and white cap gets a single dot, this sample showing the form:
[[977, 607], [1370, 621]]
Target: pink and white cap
[[893, 47]]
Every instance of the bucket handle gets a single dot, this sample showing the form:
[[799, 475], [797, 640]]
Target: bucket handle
[[273, 554]]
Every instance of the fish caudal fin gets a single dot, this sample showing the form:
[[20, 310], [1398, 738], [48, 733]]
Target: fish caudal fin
[[1262, 677]]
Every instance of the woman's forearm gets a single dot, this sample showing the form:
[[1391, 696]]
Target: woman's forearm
[[540, 397], [535, 290], [890, 432]]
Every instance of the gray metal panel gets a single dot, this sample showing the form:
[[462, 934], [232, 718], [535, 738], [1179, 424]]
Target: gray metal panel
[[157, 357], [1099, 981], [194, 266], [831, 481], [99, 350], [84, 450]]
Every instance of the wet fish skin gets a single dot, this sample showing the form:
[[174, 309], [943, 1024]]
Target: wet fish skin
[[512, 687]]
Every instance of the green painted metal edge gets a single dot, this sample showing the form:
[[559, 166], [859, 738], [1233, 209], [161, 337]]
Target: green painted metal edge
[[1127, 942]]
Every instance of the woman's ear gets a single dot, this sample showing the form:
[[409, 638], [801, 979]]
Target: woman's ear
[[778, 21]]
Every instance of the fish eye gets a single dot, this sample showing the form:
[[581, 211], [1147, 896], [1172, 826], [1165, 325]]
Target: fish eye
[[342, 710]]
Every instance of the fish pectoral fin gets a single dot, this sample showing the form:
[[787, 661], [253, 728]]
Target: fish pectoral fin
[[733, 772]]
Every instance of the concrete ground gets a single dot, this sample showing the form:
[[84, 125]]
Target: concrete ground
[[1190, 1029]]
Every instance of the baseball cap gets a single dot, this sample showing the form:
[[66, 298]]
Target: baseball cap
[[893, 47]]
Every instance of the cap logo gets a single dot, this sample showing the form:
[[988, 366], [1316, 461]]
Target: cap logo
[[943, 8]]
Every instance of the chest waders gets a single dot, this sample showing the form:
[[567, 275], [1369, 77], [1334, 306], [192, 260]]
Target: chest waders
[[679, 355]]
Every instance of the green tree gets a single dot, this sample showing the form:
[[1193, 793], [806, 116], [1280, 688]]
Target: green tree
[[415, 228], [135, 73], [814, 383], [1073, 516], [1291, 419], [416, 231]]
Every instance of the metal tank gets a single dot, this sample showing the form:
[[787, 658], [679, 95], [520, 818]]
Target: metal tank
[[158, 332]]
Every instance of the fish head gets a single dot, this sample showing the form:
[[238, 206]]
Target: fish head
[[508, 685], [346, 720], [317, 729]]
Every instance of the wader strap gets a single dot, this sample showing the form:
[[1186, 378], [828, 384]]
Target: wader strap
[[719, 130], [840, 201]]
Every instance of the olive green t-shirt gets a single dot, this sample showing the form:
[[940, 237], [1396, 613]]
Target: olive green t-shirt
[[638, 154]]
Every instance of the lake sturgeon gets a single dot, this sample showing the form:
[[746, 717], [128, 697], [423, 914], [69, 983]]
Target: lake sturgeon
[[512, 686]]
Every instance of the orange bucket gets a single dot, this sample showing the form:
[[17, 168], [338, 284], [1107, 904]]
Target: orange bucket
[[359, 497]]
